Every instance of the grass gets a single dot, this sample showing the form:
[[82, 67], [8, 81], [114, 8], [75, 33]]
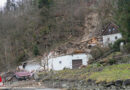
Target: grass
[[112, 73], [98, 73]]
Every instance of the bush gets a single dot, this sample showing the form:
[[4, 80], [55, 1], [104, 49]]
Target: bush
[[127, 47], [112, 61], [96, 52], [125, 59], [35, 50], [116, 45]]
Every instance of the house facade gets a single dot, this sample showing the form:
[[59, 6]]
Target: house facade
[[110, 34], [68, 61]]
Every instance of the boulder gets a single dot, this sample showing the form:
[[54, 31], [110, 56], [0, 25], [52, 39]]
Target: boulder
[[118, 82], [110, 84], [126, 82]]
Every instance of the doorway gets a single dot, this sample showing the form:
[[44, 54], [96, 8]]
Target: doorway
[[76, 63]]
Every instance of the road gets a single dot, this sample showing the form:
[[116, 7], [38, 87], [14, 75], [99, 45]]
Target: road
[[28, 89]]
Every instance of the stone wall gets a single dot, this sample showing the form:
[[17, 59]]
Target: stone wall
[[90, 85]]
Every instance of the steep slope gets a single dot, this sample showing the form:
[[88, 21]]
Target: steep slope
[[92, 26], [28, 30]]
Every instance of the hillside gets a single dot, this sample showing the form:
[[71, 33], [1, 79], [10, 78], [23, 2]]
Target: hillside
[[32, 28], [88, 41]]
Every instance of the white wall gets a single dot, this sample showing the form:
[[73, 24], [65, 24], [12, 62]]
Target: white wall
[[112, 38], [66, 61], [32, 67]]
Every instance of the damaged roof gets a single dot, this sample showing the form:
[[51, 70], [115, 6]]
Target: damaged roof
[[110, 28]]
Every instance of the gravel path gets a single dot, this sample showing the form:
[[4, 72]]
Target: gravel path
[[26, 85]]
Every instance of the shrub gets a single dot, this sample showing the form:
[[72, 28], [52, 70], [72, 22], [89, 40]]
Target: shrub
[[125, 59], [112, 61], [127, 47], [35, 50], [96, 52], [116, 45]]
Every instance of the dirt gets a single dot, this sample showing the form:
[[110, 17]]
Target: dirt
[[92, 28]]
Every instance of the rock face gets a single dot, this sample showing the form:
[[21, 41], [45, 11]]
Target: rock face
[[92, 26], [90, 85]]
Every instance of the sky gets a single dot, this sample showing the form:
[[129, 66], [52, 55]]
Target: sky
[[2, 3]]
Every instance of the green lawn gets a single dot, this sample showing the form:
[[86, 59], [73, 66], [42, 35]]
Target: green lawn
[[112, 73], [98, 73]]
